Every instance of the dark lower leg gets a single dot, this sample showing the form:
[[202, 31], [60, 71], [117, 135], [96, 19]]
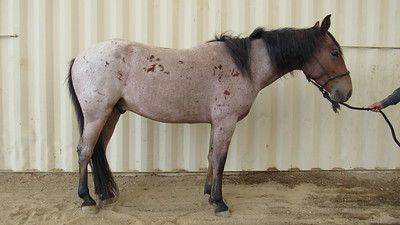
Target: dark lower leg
[[83, 189], [207, 186], [218, 202], [221, 134], [216, 198]]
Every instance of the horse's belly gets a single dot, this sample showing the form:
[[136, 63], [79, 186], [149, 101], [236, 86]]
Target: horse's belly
[[169, 105]]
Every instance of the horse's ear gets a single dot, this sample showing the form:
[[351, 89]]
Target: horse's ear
[[316, 24], [326, 23]]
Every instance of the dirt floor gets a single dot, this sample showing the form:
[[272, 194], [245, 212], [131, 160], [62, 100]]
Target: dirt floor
[[335, 197]]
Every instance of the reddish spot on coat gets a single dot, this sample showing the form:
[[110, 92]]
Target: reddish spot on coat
[[235, 73], [226, 92], [119, 75], [153, 58], [152, 68]]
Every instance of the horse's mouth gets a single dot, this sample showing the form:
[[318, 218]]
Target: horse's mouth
[[339, 95]]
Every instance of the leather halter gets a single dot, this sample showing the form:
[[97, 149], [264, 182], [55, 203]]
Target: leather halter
[[330, 78], [335, 105]]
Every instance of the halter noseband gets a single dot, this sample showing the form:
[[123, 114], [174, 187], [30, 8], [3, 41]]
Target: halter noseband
[[334, 77], [335, 105]]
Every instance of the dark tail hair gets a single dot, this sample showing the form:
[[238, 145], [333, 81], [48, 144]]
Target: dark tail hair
[[74, 98], [104, 183]]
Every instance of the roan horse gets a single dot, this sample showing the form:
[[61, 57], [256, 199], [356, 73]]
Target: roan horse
[[214, 83]]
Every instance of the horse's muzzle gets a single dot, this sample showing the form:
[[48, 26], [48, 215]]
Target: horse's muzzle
[[341, 94]]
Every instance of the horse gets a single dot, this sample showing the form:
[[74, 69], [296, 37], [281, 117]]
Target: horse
[[215, 82]]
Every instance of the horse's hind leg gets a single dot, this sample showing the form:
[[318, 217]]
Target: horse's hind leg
[[106, 134], [109, 127], [89, 139]]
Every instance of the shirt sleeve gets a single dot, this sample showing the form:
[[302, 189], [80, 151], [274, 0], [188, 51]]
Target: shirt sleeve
[[392, 99]]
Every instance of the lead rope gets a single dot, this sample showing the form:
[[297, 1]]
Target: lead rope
[[336, 106]]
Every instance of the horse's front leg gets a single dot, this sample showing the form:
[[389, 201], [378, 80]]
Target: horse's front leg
[[207, 186], [222, 133]]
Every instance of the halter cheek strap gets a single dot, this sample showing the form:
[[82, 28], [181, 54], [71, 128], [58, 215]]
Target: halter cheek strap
[[330, 78]]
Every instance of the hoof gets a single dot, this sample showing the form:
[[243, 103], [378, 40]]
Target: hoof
[[109, 201], [90, 209], [211, 202], [221, 209], [223, 214]]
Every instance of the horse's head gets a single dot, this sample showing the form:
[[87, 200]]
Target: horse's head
[[327, 66]]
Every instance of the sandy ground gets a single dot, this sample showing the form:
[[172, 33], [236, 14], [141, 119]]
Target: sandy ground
[[254, 198]]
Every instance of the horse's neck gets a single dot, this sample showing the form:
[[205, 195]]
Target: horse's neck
[[263, 72]]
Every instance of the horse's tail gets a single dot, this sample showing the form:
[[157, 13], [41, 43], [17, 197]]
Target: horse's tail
[[104, 183], [74, 98]]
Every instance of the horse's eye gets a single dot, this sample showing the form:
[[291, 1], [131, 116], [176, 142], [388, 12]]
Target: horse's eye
[[335, 53]]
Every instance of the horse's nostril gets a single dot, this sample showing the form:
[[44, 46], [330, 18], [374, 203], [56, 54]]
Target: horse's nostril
[[341, 95], [338, 94], [350, 93]]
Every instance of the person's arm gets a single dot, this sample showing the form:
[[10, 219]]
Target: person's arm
[[392, 99]]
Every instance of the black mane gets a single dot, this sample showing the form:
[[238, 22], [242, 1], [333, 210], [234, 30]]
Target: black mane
[[239, 49], [287, 48]]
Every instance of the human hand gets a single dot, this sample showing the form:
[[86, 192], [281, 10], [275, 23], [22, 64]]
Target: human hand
[[376, 107]]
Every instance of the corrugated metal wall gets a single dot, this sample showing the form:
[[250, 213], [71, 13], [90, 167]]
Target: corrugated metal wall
[[289, 126]]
